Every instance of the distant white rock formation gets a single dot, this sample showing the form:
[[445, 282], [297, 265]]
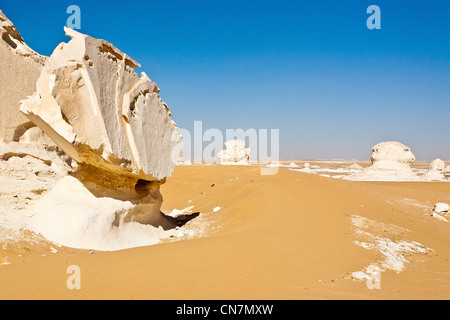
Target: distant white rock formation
[[391, 161], [436, 171], [235, 153]]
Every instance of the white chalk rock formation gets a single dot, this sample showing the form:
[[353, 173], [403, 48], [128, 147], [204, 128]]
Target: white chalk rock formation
[[391, 161], [235, 153], [93, 105], [20, 67], [436, 171]]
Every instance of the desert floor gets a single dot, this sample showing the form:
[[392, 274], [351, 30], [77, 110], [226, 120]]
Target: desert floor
[[291, 235]]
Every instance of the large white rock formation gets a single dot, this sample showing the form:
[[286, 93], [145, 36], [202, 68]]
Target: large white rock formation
[[87, 100], [93, 105], [20, 67], [235, 153], [391, 161]]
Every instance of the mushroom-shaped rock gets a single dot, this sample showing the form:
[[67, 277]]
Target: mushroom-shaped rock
[[391, 161], [235, 153], [93, 105]]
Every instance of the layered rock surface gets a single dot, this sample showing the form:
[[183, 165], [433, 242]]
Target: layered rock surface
[[391, 161], [20, 67], [93, 105]]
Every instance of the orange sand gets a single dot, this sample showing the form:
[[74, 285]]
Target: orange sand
[[286, 236]]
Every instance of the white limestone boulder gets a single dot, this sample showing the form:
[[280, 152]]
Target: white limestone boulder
[[447, 170], [391, 161], [436, 171], [235, 153]]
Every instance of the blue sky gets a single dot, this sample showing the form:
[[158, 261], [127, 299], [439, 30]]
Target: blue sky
[[312, 69]]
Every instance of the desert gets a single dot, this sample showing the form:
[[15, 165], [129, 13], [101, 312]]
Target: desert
[[101, 199]]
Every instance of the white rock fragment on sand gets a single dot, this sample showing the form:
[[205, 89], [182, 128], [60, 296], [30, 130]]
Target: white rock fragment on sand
[[391, 161], [441, 207], [435, 215], [176, 212], [217, 209], [235, 153], [20, 67]]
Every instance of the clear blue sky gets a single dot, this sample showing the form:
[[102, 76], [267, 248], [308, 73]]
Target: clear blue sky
[[312, 69]]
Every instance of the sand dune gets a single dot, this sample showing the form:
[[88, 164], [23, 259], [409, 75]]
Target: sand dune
[[292, 235]]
